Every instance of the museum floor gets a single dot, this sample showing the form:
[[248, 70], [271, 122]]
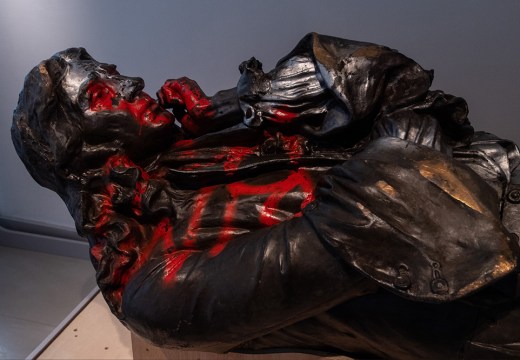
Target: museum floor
[[37, 291]]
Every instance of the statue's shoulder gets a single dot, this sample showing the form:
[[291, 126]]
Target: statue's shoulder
[[497, 161], [329, 49]]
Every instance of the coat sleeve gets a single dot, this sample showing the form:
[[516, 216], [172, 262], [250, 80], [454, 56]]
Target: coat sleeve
[[258, 283], [421, 224]]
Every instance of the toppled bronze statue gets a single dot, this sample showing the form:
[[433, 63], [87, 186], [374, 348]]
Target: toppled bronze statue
[[333, 204]]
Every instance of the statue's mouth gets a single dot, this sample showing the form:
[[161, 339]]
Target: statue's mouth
[[241, 152]]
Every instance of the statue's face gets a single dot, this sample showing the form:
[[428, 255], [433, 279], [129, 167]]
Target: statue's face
[[114, 108]]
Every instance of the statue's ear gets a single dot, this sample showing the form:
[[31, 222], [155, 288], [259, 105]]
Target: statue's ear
[[62, 123], [44, 133], [38, 96]]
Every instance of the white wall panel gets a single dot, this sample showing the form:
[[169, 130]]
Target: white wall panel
[[472, 45]]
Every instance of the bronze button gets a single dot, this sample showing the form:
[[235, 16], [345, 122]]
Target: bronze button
[[514, 196], [402, 281], [439, 286]]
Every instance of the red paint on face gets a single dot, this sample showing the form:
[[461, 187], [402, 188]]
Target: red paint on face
[[103, 96]]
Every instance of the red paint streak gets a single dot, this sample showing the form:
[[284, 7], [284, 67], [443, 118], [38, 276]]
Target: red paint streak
[[140, 189], [162, 233], [196, 166], [186, 155], [201, 201], [190, 125], [138, 245], [291, 145], [97, 251], [217, 249], [228, 158], [283, 116], [105, 212], [267, 217], [135, 244], [297, 179], [121, 271], [234, 157], [173, 263], [185, 143]]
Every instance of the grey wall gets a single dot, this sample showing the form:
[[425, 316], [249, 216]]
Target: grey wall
[[472, 45]]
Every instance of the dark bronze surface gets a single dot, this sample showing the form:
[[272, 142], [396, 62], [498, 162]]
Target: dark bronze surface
[[332, 204]]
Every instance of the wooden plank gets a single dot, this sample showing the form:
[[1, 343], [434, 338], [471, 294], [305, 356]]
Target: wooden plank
[[94, 334], [61, 326], [144, 351]]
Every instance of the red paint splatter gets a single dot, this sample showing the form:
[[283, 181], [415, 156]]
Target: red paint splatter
[[276, 192], [159, 239], [103, 96], [185, 143], [135, 246]]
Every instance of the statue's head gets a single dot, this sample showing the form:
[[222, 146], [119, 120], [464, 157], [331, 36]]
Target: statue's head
[[74, 112]]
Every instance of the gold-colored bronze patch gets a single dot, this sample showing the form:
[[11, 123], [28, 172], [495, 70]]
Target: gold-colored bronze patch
[[442, 176]]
